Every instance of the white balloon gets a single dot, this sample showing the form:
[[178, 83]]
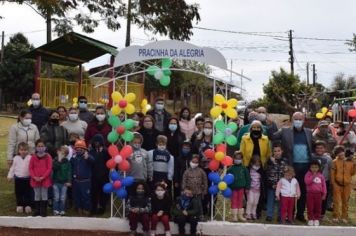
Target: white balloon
[[159, 74], [118, 159]]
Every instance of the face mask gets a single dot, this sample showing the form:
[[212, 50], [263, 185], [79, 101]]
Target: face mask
[[40, 150], [100, 117], [26, 122], [251, 119], [262, 117], [82, 106], [160, 193], [161, 147], [73, 117], [79, 152], [186, 196], [297, 124], [172, 127], [159, 106], [237, 161], [256, 133], [54, 121], [140, 192], [193, 165], [72, 142], [60, 155], [137, 123], [185, 151], [256, 167], [207, 131], [185, 116], [136, 146], [36, 103]]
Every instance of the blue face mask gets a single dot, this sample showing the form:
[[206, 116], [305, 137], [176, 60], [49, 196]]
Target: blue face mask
[[298, 124], [172, 127]]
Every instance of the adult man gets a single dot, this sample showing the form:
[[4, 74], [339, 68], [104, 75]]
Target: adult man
[[39, 113], [297, 146], [266, 121], [324, 133], [84, 114], [160, 115]]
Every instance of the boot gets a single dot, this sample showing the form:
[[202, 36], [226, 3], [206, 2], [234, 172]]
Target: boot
[[43, 208], [152, 233], [241, 215], [168, 233], [37, 210], [234, 215]]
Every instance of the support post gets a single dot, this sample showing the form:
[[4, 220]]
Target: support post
[[111, 76], [2, 47], [37, 73], [80, 83]]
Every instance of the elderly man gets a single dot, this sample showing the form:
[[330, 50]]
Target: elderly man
[[297, 146], [324, 133], [160, 115], [262, 116], [39, 113]]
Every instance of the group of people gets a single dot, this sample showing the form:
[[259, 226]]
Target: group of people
[[63, 153]]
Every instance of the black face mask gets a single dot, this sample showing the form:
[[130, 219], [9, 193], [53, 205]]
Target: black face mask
[[256, 133], [72, 142], [54, 121]]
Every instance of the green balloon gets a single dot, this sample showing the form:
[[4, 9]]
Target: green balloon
[[114, 121], [165, 81], [113, 136], [231, 140], [166, 62], [128, 136], [129, 124], [220, 125], [232, 126], [218, 138], [151, 70], [167, 71]]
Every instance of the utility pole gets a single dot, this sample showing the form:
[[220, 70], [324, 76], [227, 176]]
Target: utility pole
[[314, 75], [128, 25], [48, 17], [291, 53], [307, 73], [2, 47]]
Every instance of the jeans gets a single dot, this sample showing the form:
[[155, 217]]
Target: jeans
[[23, 192], [81, 194], [41, 193], [60, 193], [300, 170], [271, 202]]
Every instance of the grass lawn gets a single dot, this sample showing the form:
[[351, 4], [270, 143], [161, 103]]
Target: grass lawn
[[7, 196]]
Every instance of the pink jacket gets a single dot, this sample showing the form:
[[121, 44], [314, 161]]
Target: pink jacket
[[288, 188], [20, 167], [187, 127], [315, 183], [41, 167]]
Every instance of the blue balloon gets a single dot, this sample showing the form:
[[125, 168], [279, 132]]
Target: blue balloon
[[121, 193], [114, 175], [213, 189], [227, 193], [229, 178], [214, 177], [127, 181], [108, 188]]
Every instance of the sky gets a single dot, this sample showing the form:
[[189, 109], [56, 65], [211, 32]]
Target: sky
[[256, 56]]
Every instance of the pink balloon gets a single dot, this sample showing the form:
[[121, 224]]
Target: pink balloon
[[126, 151], [118, 159], [122, 103]]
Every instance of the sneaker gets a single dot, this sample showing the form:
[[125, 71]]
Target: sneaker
[[19, 209], [316, 223], [254, 217], [168, 233], [269, 218], [56, 213], [62, 213], [310, 222], [28, 209]]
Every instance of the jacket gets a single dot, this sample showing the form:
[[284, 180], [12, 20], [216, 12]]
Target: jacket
[[95, 128], [174, 142], [274, 171], [166, 116], [328, 138], [187, 127], [164, 204], [286, 136], [287, 188], [39, 116], [86, 115], [241, 177], [192, 208], [245, 129], [54, 136], [247, 149], [99, 170], [181, 164], [19, 133], [315, 183], [142, 203], [326, 164], [162, 164], [81, 168], [62, 171], [78, 127], [41, 167], [140, 165], [342, 172], [20, 167], [196, 180], [149, 138]]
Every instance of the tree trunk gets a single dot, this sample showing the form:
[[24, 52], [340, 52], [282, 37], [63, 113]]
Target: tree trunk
[[128, 25], [49, 39]]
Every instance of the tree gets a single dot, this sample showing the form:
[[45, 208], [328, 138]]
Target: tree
[[16, 73], [342, 83]]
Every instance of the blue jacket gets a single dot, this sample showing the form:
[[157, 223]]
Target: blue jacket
[[40, 116], [81, 168]]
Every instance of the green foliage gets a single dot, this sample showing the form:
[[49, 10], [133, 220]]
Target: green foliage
[[17, 73], [342, 83], [65, 72]]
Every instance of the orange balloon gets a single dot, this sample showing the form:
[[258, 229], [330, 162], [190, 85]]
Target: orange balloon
[[214, 165], [126, 151], [227, 161], [124, 165], [221, 148], [110, 164], [209, 153]]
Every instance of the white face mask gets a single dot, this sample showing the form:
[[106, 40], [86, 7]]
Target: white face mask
[[100, 117], [26, 122], [193, 165], [160, 193], [159, 106], [208, 131], [82, 105], [161, 147], [237, 161], [73, 117], [256, 167], [137, 123], [262, 117], [36, 103]]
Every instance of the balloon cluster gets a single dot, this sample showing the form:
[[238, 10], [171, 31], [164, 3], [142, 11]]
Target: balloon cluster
[[118, 184], [75, 102], [324, 113], [122, 103], [120, 129], [219, 184], [228, 107], [352, 112], [103, 100], [217, 157], [225, 133], [162, 74], [119, 158], [145, 106]]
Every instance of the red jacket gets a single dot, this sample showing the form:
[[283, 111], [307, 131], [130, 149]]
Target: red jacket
[[41, 167], [315, 183], [93, 129]]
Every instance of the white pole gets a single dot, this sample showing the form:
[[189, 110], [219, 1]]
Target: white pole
[[112, 204], [224, 209]]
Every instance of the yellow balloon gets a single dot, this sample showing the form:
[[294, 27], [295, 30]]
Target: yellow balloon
[[130, 97], [115, 110], [29, 102], [130, 109], [219, 99], [75, 105], [215, 111], [319, 116], [324, 110], [231, 112], [222, 186], [232, 102], [329, 113], [75, 100], [116, 96], [144, 103], [219, 156]]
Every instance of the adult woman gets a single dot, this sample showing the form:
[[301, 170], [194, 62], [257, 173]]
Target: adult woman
[[149, 133], [74, 124], [187, 125], [62, 114], [22, 131], [137, 117], [98, 125], [53, 135], [175, 137], [255, 143]]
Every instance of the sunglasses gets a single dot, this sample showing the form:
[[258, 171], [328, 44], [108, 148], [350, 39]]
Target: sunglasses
[[83, 102]]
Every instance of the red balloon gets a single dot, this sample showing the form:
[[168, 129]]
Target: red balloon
[[122, 103], [214, 165], [113, 150], [352, 113], [124, 165], [110, 164], [209, 153], [120, 130], [126, 151], [227, 161], [221, 148], [117, 184]]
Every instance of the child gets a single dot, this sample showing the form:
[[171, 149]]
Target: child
[[181, 164], [185, 211], [62, 178], [240, 184], [20, 172], [326, 162], [100, 174], [73, 137], [274, 172], [162, 162], [287, 191], [40, 172], [161, 205], [254, 192], [316, 192], [139, 207], [341, 176], [81, 174]]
